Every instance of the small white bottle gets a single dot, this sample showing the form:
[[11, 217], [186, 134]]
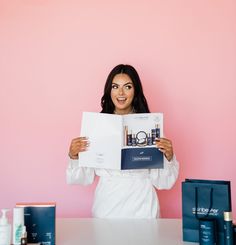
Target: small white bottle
[[5, 229], [24, 236], [18, 224]]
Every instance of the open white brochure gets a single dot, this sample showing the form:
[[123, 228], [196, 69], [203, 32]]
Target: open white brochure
[[122, 141]]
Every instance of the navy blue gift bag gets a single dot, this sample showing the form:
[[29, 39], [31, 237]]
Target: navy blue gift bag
[[204, 199]]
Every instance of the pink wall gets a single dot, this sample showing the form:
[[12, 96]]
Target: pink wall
[[54, 59]]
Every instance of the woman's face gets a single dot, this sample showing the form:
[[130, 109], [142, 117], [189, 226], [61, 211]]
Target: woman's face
[[122, 93]]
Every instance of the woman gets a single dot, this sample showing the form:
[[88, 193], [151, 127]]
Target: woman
[[124, 193]]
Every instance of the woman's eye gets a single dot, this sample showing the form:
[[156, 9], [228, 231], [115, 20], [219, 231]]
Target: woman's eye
[[128, 87], [114, 86]]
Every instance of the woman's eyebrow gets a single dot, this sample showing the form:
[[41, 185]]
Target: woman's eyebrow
[[123, 84], [128, 83]]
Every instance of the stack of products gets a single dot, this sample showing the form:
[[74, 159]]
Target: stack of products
[[207, 212], [33, 223]]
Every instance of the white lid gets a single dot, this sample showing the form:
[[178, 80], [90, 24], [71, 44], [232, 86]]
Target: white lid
[[228, 216], [18, 215], [3, 219]]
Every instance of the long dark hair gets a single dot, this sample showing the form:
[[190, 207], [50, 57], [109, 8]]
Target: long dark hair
[[139, 102]]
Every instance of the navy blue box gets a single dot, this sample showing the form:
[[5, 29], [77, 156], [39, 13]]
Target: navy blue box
[[141, 158], [40, 222]]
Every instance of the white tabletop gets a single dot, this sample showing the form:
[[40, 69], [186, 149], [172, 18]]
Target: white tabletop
[[119, 232]]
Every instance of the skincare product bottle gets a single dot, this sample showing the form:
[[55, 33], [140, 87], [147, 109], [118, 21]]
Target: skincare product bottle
[[157, 131], [153, 132], [24, 236], [5, 229], [129, 139], [149, 139], [134, 143], [126, 136], [228, 228], [18, 223], [207, 231]]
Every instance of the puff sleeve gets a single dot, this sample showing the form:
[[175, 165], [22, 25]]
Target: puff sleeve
[[165, 178], [79, 175]]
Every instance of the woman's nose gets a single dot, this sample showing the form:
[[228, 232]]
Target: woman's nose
[[121, 91]]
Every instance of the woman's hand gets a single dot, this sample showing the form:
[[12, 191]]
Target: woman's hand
[[78, 145], [164, 145]]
